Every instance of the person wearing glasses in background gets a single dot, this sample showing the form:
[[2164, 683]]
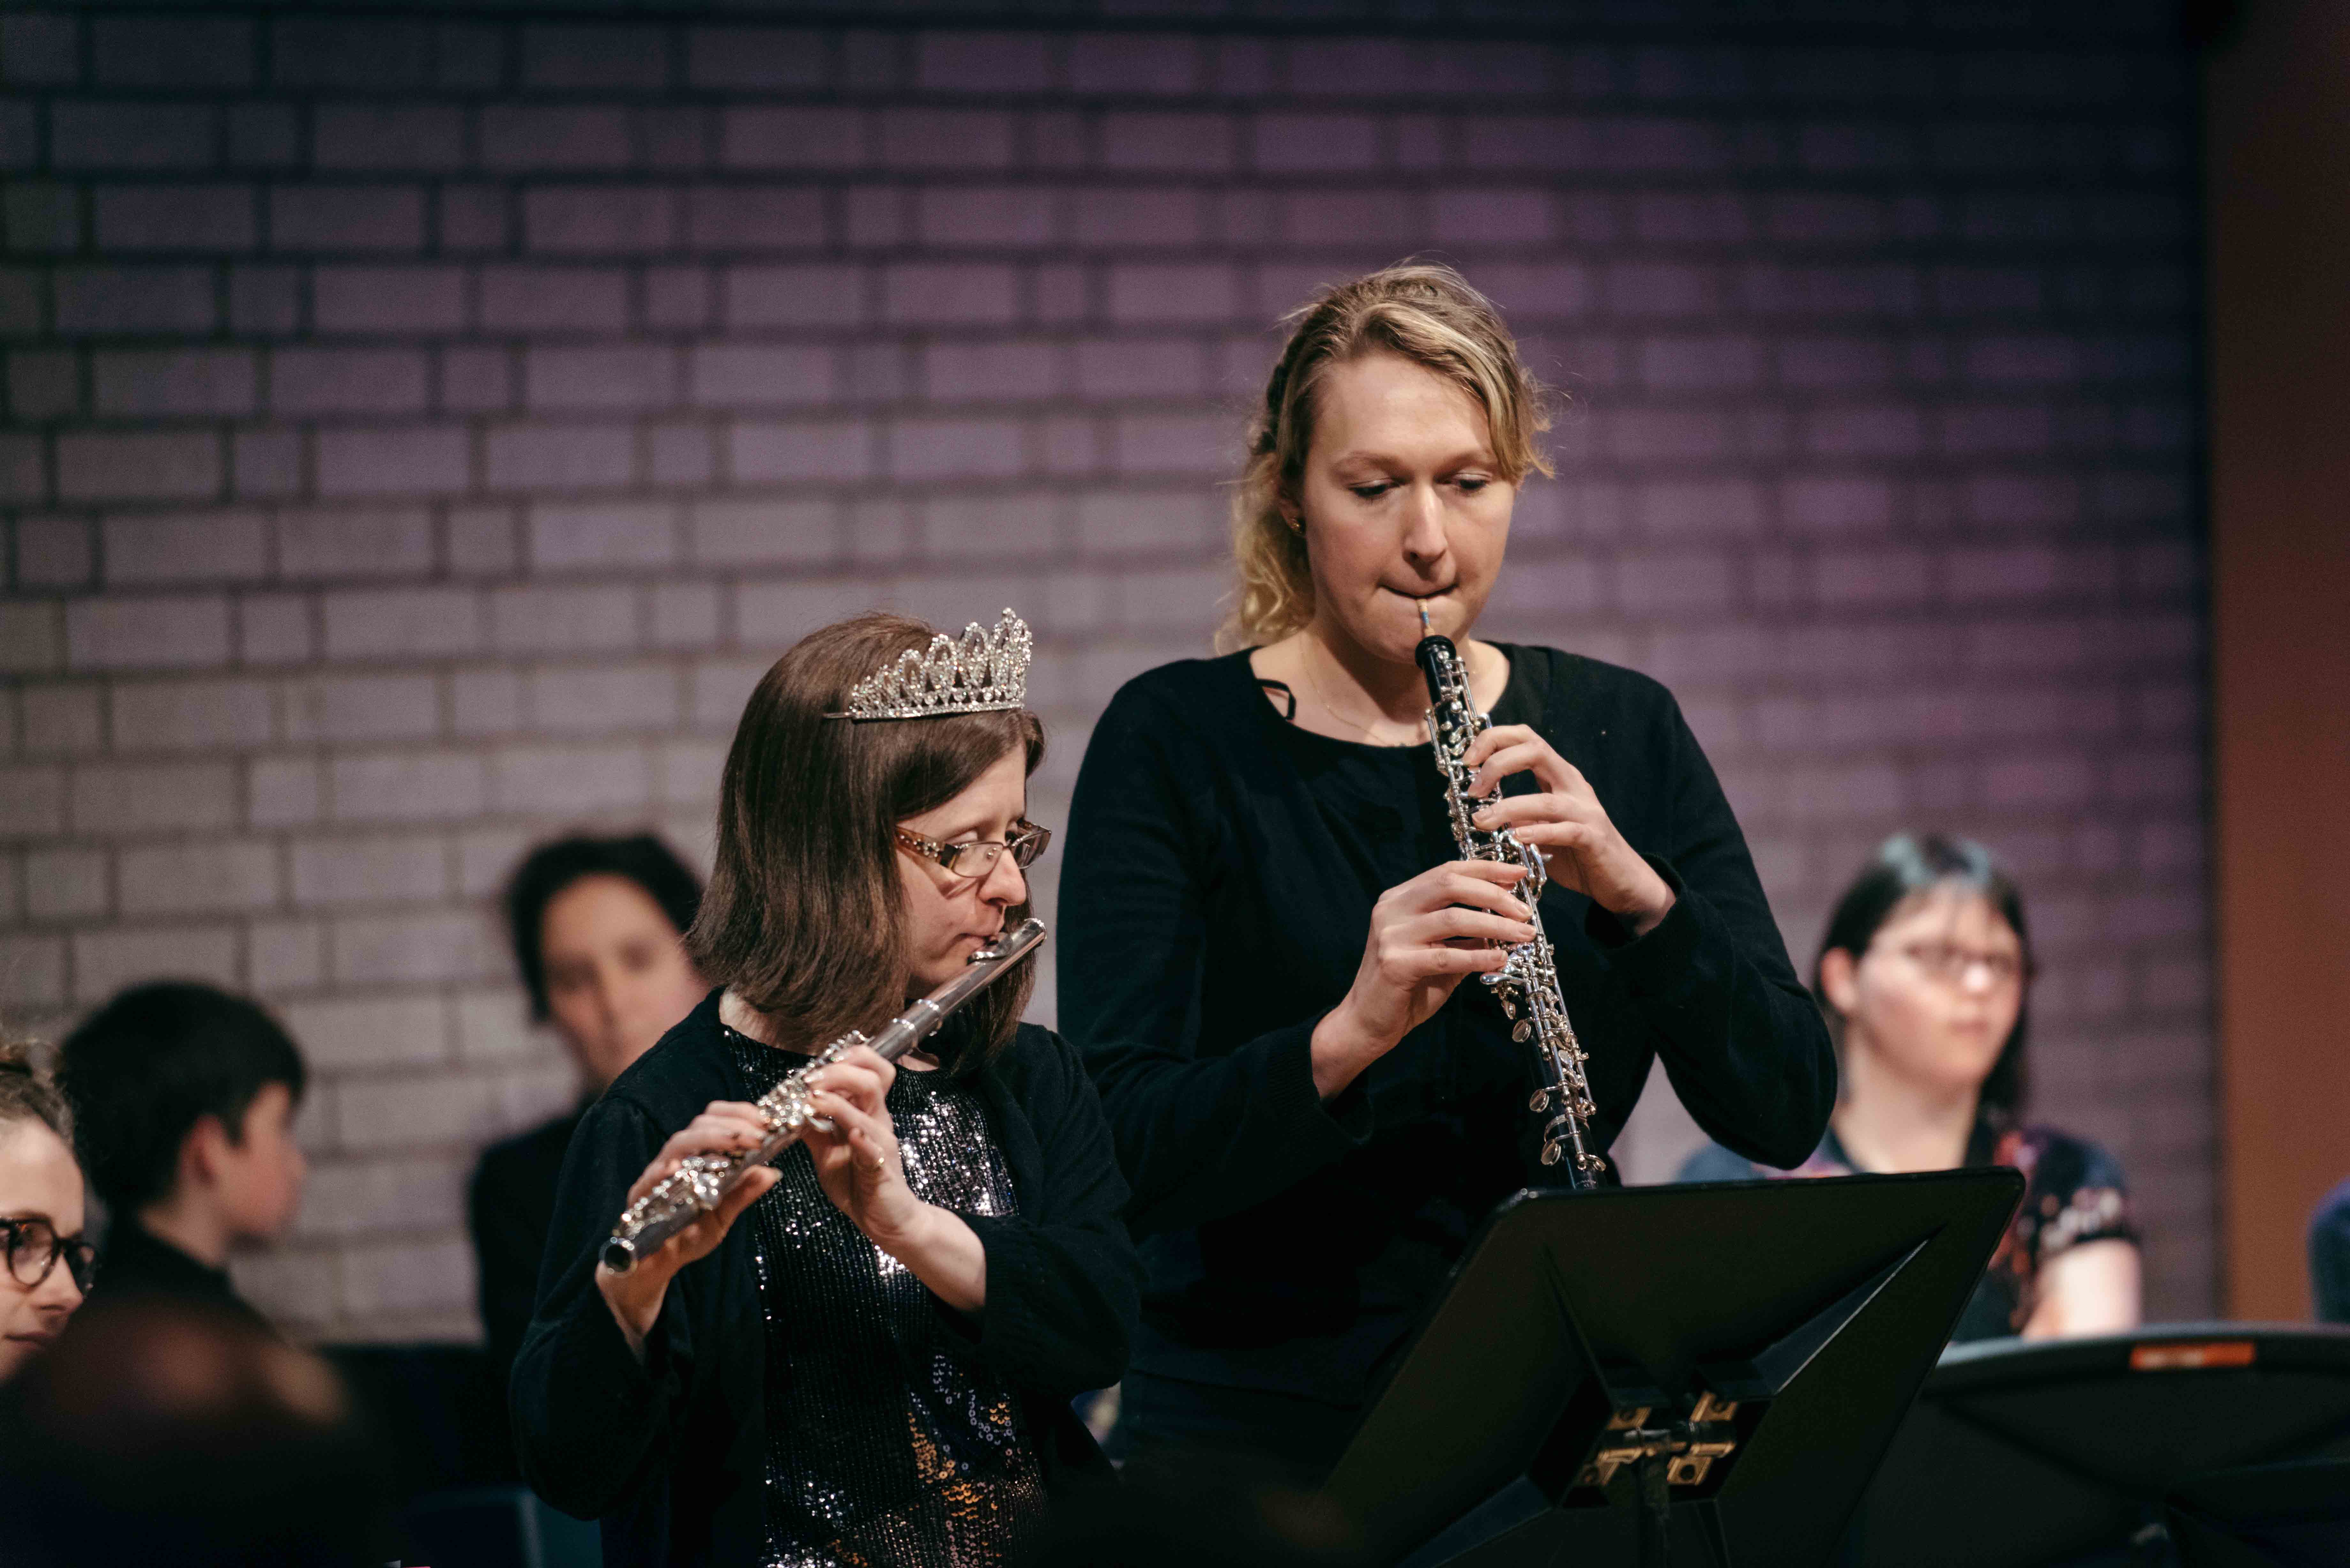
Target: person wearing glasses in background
[[866, 1352], [1925, 973], [48, 1264]]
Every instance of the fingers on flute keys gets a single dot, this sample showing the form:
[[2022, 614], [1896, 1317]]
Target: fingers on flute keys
[[725, 1126], [853, 1094]]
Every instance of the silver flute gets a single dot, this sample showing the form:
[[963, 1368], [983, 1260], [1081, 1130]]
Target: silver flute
[[1528, 983], [700, 1180]]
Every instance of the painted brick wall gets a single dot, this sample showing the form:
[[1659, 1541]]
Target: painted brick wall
[[421, 429]]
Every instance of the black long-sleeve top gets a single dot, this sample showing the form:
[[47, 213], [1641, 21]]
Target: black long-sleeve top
[[1221, 865], [669, 1452], [512, 1204], [136, 1261]]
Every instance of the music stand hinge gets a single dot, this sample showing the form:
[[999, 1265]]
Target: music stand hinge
[[1690, 1446]]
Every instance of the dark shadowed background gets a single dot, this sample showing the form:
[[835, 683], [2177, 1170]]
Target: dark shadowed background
[[421, 428]]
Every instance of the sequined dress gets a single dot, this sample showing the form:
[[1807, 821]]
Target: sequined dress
[[884, 1446]]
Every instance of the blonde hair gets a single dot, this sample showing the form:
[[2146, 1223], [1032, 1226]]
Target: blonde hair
[[27, 1092], [1422, 311]]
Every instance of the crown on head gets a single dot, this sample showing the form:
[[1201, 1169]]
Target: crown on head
[[980, 672]]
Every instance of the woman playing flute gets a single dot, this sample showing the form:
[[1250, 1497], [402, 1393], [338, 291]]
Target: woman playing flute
[[866, 1352]]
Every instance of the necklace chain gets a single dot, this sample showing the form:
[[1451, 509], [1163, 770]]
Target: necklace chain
[[1331, 708]]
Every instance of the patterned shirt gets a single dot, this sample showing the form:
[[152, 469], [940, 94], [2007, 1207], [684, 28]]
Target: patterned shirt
[[2074, 1192]]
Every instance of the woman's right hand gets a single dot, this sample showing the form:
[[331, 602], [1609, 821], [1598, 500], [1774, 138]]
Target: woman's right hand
[[727, 1126], [1425, 935]]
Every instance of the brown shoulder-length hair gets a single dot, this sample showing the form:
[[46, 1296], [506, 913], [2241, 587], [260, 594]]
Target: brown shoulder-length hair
[[802, 917], [1422, 311]]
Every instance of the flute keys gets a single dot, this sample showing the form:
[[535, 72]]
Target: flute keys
[[1523, 1032]]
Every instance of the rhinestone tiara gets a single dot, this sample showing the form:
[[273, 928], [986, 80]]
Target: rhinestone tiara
[[979, 672]]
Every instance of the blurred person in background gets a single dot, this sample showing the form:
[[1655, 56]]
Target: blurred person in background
[[599, 927], [183, 1099], [2329, 1256], [48, 1264], [172, 1431], [1925, 973]]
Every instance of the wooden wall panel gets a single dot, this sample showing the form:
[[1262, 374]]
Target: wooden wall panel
[[2278, 133]]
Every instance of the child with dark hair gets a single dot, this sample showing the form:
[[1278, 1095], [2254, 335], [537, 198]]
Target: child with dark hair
[[184, 1100], [1924, 974], [598, 931]]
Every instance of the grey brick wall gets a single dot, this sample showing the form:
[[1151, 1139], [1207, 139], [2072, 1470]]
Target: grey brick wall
[[422, 429]]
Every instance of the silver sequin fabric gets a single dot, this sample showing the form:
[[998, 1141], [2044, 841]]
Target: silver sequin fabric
[[884, 1445]]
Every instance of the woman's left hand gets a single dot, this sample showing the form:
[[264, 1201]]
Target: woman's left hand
[[1580, 846], [856, 1162]]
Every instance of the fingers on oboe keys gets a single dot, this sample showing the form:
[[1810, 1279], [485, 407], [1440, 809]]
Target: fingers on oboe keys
[[1447, 918], [1484, 916], [1484, 891], [1509, 749]]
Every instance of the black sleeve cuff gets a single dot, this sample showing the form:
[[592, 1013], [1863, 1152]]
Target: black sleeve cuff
[[587, 1413], [1344, 1116], [593, 1352], [1006, 1331], [1659, 961]]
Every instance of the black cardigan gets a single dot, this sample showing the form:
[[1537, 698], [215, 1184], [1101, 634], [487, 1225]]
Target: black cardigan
[[669, 1453], [1220, 869]]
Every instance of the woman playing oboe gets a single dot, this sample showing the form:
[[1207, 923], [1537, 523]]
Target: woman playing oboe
[[1268, 920], [867, 1353]]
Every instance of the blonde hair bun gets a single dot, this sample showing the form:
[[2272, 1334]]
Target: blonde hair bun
[[27, 1092]]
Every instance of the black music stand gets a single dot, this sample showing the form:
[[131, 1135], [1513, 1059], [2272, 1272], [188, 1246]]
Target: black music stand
[[2061, 1451], [2266, 1516], [1689, 1376]]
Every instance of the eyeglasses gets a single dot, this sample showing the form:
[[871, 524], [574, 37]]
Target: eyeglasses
[[35, 1246], [1950, 963], [1026, 841]]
